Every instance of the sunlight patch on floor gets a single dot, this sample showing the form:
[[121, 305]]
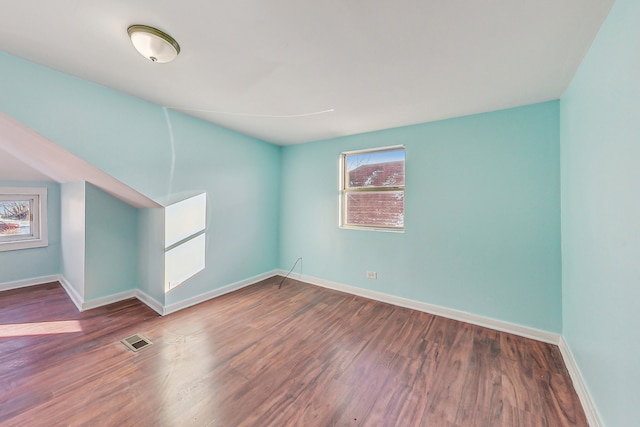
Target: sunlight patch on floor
[[39, 328]]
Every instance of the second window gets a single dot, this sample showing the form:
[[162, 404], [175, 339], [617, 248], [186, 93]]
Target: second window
[[372, 186]]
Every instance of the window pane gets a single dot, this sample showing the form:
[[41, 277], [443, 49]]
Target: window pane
[[375, 208], [15, 218], [184, 219], [375, 169], [184, 261]]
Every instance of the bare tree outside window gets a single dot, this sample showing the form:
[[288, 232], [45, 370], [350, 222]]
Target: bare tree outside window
[[23, 218], [15, 217]]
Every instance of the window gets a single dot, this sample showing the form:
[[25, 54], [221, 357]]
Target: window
[[23, 218], [372, 186], [185, 240]]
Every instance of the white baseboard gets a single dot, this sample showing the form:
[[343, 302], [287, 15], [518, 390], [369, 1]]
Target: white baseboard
[[17, 284], [172, 308], [579, 385], [487, 322], [151, 302], [75, 297], [145, 298], [83, 305], [109, 299]]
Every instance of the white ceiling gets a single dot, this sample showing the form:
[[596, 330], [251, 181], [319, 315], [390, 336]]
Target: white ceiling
[[292, 71]]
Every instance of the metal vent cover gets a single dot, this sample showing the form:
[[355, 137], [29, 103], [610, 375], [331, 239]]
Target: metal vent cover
[[136, 342]]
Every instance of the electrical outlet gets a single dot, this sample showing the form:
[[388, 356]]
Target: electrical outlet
[[372, 275]]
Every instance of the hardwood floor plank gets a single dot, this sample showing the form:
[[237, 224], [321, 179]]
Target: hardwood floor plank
[[519, 388], [264, 356], [561, 408]]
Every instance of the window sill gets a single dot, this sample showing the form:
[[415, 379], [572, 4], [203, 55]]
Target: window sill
[[23, 244], [386, 230]]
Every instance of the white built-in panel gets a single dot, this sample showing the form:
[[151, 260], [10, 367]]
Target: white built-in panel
[[184, 219], [184, 261], [184, 240]]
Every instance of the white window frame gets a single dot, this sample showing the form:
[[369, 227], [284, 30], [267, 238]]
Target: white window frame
[[345, 190], [39, 232]]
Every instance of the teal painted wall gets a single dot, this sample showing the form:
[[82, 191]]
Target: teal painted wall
[[111, 246], [482, 216], [161, 154], [600, 151], [241, 177], [31, 263]]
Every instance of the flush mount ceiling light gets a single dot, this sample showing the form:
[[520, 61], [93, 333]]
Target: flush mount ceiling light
[[153, 44]]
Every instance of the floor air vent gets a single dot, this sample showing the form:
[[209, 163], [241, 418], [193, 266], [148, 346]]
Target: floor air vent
[[136, 342]]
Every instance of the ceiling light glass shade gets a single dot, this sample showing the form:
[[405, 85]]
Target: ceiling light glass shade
[[153, 44]]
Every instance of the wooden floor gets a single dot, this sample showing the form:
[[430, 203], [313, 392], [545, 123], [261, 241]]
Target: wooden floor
[[301, 355]]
